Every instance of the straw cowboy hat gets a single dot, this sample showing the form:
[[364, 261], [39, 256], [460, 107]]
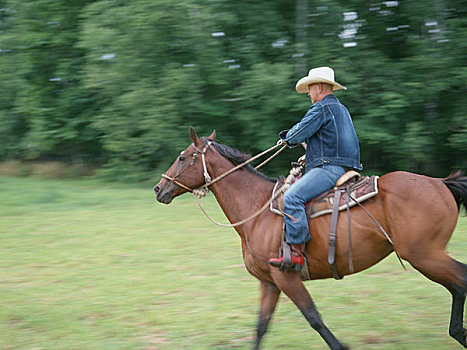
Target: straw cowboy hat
[[318, 75]]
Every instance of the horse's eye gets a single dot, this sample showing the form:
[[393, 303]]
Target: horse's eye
[[181, 158]]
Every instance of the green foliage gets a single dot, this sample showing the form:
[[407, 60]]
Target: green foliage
[[48, 110], [118, 83]]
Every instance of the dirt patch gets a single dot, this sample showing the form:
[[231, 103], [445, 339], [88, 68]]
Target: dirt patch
[[44, 169], [155, 340]]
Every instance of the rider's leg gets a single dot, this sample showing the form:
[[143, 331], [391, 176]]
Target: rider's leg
[[313, 183]]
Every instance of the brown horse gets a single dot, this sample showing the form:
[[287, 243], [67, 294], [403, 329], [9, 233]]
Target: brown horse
[[419, 213]]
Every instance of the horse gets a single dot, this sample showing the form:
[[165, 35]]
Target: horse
[[419, 214]]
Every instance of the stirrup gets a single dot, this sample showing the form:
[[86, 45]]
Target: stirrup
[[286, 254], [285, 261], [282, 266]]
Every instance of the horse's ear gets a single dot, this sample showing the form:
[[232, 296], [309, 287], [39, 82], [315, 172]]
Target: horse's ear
[[212, 137], [194, 137]]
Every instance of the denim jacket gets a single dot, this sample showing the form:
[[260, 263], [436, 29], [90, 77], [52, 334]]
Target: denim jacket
[[329, 133]]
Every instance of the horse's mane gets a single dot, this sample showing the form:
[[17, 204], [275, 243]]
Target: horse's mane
[[237, 157]]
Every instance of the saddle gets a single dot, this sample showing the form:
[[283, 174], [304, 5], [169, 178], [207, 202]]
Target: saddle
[[354, 190], [359, 188]]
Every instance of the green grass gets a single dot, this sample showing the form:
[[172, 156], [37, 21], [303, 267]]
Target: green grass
[[85, 265]]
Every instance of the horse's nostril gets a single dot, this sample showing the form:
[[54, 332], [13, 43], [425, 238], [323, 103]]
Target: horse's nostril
[[157, 189]]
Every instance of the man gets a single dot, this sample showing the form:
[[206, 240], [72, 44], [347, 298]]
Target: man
[[332, 148]]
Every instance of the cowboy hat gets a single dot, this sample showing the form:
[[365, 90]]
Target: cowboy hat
[[318, 75]]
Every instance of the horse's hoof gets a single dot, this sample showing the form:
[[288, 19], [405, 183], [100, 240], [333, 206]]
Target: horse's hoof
[[461, 336]]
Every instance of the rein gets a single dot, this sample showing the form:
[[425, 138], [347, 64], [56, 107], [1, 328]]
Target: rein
[[220, 177], [204, 189], [263, 208]]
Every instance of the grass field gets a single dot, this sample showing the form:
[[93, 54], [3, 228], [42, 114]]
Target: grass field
[[86, 265]]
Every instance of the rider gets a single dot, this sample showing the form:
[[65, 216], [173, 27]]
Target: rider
[[332, 148]]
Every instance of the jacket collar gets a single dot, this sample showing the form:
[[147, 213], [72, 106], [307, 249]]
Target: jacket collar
[[329, 97]]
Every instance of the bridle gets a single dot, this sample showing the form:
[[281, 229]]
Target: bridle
[[208, 181], [207, 178]]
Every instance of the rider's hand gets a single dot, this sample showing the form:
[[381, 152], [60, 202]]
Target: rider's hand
[[301, 160], [283, 134]]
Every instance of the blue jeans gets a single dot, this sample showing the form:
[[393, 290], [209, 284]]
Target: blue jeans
[[314, 182]]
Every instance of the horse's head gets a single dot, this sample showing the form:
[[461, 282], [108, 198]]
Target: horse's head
[[186, 173]]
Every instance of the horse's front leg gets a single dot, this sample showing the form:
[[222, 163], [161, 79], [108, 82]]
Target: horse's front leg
[[269, 295], [291, 284]]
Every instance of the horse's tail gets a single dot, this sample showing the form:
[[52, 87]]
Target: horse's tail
[[457, 184]]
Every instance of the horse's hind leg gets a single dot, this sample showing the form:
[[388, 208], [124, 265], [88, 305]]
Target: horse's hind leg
[[456, 329], [441, 268], [269, 297]]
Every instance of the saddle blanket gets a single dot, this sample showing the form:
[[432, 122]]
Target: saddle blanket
[[361, 190]]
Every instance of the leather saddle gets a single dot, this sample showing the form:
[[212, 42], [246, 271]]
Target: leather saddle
[[360, 189]]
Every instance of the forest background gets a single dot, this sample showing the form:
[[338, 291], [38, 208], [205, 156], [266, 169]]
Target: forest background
[[113, 85]]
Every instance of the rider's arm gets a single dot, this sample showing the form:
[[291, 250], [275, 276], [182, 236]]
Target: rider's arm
[[307, 127]]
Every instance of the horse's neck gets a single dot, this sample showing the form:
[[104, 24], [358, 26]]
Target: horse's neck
[[241, 193]]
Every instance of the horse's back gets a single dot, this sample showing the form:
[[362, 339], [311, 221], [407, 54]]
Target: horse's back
[[417, 208], [411, 192]]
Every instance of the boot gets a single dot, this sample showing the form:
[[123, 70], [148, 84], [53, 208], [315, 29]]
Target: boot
[[297, 259]]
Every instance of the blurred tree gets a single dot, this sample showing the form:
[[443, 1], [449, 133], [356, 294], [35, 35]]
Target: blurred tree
[[120, 82], [49, 109], [145, 64], [405, 84], [12, 124]]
